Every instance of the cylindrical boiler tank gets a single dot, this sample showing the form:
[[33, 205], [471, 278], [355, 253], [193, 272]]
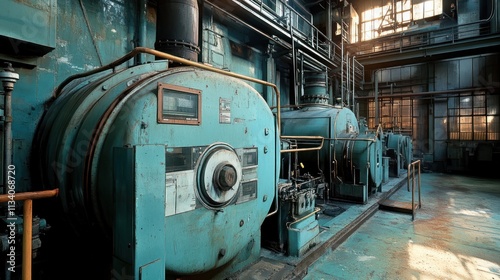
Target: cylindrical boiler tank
[[348, 156], [220, 154], [319, 120]]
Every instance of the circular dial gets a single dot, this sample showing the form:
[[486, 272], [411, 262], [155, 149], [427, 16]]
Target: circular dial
[[219, 176]]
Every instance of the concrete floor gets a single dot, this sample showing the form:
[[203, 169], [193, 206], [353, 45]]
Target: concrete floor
[[456, 235]]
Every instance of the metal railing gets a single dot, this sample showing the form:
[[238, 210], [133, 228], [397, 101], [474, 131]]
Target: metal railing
[[27, 244], [412, 167], [300, 26]]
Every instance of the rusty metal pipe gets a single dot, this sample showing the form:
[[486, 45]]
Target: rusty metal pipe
[[30, 195], [173, 58], [288, 225], [304, 149]]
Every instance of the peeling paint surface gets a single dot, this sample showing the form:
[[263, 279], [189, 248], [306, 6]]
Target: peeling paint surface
[[454, 236]]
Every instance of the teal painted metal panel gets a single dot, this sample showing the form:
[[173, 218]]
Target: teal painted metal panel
[[302, 235], [123, 193], [29, 27], [139, 224], [149, 224], [152, 271]]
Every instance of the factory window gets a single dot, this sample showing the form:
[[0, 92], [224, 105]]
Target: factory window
[[396, 114], [473, 117], [388, 19], [426, 9]]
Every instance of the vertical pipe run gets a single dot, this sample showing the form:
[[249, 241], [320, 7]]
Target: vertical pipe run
[[342, 63], [8, 78], [347, 83], [293, 75], [302, 78], [376, 98], [353, 82], [329, 27], [7, 136], [27, 238], [141, 29]]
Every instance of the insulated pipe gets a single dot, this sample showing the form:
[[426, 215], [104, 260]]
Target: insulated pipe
[[8, 78]]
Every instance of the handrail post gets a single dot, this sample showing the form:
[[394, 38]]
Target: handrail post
[[27, 239], [413, 192], [408, 172], [419, 196]]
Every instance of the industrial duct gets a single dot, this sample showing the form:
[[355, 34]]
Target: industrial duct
[[177, 28], [315, 88]]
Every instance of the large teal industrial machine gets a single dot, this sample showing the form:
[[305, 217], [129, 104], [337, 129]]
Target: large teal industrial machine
[[120, 147]]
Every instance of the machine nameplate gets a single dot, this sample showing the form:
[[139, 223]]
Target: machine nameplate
[[224, 110], [180, 195]]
